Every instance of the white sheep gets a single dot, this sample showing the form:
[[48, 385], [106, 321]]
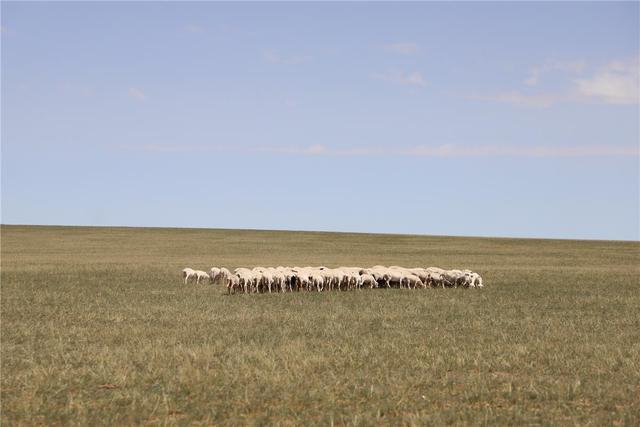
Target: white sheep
[[202, 275], [413, 281], [367, 280], [187, 274], [316, 281], [233, 283], [214, 274], [247, 279], [282, 279], [436, 276]]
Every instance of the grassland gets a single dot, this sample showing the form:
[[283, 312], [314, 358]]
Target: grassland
[[97, 329]]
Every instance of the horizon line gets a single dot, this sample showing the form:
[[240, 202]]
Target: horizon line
[[2, 224]]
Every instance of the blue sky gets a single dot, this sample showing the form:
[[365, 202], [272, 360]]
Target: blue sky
[[485, 119]]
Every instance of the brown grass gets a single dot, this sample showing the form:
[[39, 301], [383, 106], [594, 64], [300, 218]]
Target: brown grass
[[96, 328]]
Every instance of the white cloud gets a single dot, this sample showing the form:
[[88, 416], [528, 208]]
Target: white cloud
[[566, 67], [312, 150], [425, 150], [403, 48], [413, 78], [273, 57], [616, 83], [540, 100], [137, 94], [316, 150]]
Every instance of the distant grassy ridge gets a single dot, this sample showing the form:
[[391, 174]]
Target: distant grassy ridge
[[96, 328]]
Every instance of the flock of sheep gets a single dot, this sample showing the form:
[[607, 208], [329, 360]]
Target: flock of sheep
[[289, 279]]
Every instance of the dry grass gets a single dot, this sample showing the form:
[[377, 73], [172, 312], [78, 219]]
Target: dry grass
[[97, 329]]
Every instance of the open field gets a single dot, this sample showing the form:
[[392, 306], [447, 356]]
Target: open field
[[98, 329]]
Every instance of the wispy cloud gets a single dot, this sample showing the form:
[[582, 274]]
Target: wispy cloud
[[137, 94], [194, 29], [426, 150], [312, 150], [412, 78], [571, 67], [274, 57], [402, 48], [540, 100], [618, 82]]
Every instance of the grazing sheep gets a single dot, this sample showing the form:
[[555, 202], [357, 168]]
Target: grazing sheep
[[267, 279], [473, 280], [247, 280], [228, 279], [477, 280], [393, 276], [453, 278], [412, 281], [201, 275], [283, 279], [224, 275], [301, 280], [187, 274], [436, 277], [378, 273], [279, 280], [422, 273], [214, 274], [316, 281], [367, 280], [288, 274], [233, 283]]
